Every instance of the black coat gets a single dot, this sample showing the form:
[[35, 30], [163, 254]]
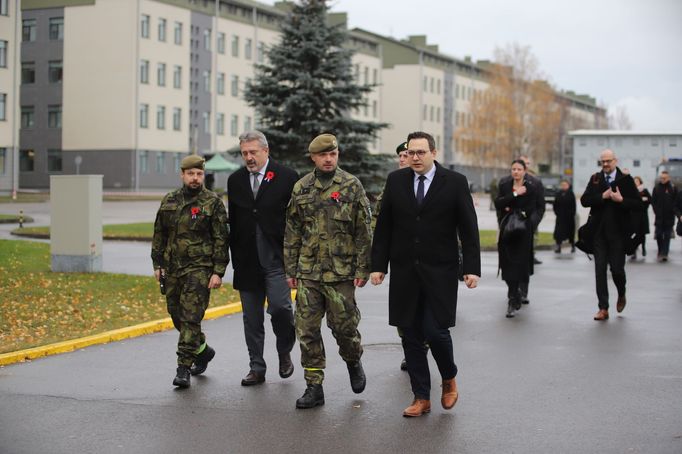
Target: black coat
[[421, 244], [663, 200], [538, 197], [268, 210], [644, 223], [516, 259], [564, 208]]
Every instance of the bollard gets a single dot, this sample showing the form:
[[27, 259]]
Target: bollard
[[21, 219]]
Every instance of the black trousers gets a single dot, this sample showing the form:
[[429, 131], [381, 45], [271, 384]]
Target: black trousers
[[424, 333], [663, 237], [609, 250]]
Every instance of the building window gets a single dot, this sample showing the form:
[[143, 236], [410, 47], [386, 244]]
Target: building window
[[27, 160], [144, 158], [177, 118], [3, 53], [54, 116], [56, 29], [247, 123], [207, 39], [28, 72], [438, 114], [426, 113], [636, 163], [3, 160], [178, 33], [3, 106], [366, 74], [673, 142], [261, 53], [207, 81], [144, 115], [161, 74], [177, 159], [4, 7], [177, 76], [438, 86], [207, 122], [426, 83], [54, 71], [654, 141], [160, 117], [235, 46], [162, 29], [431, 112], [248, 44], [54, 160], [221, 43], [160, 162], [220, 124], [234, 85], [374, 109], [234, 125], [28, 30], [144, 71], [27, 116], [375, 76], [431, 84], [221, 84], [144, 26]]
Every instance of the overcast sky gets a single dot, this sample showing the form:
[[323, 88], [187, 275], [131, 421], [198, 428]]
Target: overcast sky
[[622, 52]]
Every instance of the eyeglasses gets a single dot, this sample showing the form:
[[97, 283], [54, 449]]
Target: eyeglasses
[[606, 161], [420, 153]]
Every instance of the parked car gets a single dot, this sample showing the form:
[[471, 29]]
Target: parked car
[[551, 184]]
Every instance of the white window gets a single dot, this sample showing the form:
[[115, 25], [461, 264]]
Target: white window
[[366, 74], [178, 33], [144, 71], [3, 54], [177, 119], [162, 29], [425, 113], [673, 141], [177, 76], [235, 46], [234, 125], [207, 39], [56, 28], [438, 86], [144, 115], [3, 106], [220, 124], [375, 76], [177, 160], [207, 81], [160, 117], [221, 84], [438, 114], [4, 11], [248, 44], [207, 122], [144, 161], [144, 26], [161, 74], [3, 161], [247, 123], [54, 116], [374, 109], [160, 162], [426, 83], [221, 43], [234, 85], [261, 52]]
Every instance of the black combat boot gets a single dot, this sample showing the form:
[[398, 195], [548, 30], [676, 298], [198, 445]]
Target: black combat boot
[[201, 363], [312, 397], [357, 377], [182, 377]]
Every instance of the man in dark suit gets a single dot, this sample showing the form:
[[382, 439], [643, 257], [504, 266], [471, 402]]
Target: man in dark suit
[[611, 196], [422, 211], [258, 195]]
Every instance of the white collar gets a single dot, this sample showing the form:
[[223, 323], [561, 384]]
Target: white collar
[[261, 171], [429, 175]]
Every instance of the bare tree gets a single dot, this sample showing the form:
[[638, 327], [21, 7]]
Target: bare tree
[[620, 119]]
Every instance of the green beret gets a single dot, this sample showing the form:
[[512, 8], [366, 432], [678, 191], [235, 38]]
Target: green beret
[[192, 162], [322, 143], [400, 148]]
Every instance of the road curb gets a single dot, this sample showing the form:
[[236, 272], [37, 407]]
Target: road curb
[[109, 336]]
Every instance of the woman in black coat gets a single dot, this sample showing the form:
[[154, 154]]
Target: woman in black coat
[[643, 229], [516, 254], [564, 208]]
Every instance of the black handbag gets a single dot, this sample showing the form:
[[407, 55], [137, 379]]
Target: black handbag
[[586, 237], [678, 229], [514, 226]]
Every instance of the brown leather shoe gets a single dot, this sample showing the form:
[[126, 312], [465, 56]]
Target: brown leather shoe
[[450, 395], [286, 367], [253, 378], [621, 304], [418, 408], [603, 314]]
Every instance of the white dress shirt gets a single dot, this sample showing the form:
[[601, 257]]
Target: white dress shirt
[[427, 182], [261, 173]]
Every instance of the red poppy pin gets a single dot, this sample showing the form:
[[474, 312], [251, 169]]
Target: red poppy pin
[[269, 176], [195, 211], [335, 196]]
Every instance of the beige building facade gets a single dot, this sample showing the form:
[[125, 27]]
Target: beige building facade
[[10, 67]]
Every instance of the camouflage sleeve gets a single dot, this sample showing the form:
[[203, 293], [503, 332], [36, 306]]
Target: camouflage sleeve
[[159, 240], [219, 233], [375, 212], [292, 238], [363, 235]]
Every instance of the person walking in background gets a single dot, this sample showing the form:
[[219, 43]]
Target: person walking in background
[[516, 201], [663, 200], [326, 257], [258, 195], [424, 210], [190, 251], [538, 213], [611, 196], [643, 229], [564, 207]]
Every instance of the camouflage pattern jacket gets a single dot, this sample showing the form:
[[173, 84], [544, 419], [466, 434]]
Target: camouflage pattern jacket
[[190, 232], [328, 237]]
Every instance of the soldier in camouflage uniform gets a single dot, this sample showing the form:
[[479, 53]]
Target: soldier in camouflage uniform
[[190, 249], [326, 256]]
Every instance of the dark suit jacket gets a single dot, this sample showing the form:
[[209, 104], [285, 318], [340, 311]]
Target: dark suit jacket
[[421, 244], [617, 218], [539, 197], [267, 211]]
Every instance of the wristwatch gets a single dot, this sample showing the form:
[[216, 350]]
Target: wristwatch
[[515, 194]]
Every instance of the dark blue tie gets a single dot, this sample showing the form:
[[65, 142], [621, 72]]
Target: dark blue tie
[[420, 189], [608, 179]]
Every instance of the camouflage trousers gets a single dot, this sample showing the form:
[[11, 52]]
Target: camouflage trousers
[[187, 298], [314, 300]]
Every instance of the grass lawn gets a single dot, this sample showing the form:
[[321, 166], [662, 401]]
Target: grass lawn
[[39, 307], [13, 218]]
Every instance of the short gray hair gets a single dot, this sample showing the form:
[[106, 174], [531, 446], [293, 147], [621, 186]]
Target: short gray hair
[[249, 136]]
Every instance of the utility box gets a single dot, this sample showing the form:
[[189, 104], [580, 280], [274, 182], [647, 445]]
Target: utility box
[[76, 223]]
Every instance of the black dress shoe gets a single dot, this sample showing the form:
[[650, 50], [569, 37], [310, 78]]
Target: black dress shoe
[[201, 363], [312, 397], [403, 364], [525, 300], [181, 379], [510, 309], [286, 367], [357, 377], [253, 378]]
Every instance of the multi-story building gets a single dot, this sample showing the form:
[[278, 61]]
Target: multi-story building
[[10, 38], [638, 152]]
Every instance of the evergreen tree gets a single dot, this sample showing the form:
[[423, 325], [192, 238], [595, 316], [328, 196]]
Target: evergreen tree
[[307, 88]]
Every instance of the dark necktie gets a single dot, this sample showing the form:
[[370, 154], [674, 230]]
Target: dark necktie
[[608, 179], [256, 184], [420, 189]]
